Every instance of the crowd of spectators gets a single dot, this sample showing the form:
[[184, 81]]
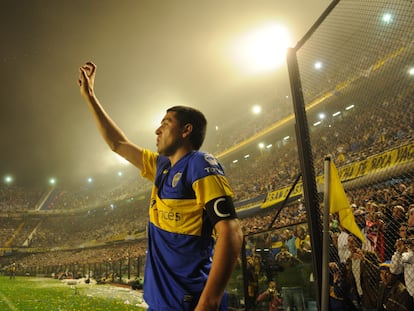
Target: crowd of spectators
[[15, 198], [376, 201], [92, 196], [77, 225], [96, 226], [385, 216], [348, 137]]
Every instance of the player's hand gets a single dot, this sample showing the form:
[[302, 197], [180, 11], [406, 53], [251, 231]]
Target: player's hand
[[86, 79]]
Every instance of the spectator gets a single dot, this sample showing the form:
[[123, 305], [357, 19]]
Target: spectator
[[302, 243], [290, 241], [272, 295], [338, 293], [403, 260], [360, 219], [343, 250], [410, 218], [392, 229], [393, 295], [252, 274], [364, 276]]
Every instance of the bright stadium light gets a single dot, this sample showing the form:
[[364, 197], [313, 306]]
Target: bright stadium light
[[262, 49], [261, 145], [256, 109], [318, 65], [8, 179], [90, 180], [52, 181], [411, 71], [387, 18]]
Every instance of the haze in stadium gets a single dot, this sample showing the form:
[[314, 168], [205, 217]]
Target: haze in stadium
[[214, 55]]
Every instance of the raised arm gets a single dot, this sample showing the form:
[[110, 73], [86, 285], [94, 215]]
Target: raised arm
[[112, 134]]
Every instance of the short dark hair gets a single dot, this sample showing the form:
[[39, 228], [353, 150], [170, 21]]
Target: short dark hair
[[186, 115]]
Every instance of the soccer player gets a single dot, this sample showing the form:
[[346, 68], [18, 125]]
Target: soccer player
[[191, 201]]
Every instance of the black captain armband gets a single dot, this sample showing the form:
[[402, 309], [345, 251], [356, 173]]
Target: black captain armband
[[220, 208]]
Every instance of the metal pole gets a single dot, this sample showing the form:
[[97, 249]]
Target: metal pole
[[244, 270], [325, 247], [310, 190]]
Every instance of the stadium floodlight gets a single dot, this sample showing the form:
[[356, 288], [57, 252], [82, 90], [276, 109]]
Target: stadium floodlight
[[261, 145], [235, 161], [321, 116], [8, 179], [89, 180], [262, 49], [52, 181], [318, 65], [336, 114], [387, 18], [256, 109], [349, 107], [411, 71]]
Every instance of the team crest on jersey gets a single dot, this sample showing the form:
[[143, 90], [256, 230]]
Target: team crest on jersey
[[176, 179], [210, 159]]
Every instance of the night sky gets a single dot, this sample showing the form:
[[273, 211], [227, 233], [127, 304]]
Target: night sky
[[150, 55]]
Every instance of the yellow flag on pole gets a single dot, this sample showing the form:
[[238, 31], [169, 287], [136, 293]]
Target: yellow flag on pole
[[338, 203]]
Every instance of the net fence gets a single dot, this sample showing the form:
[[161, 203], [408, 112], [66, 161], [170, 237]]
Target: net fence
[[356, 68], [357, 75]]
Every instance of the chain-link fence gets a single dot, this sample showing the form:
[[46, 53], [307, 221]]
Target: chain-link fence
[[357, 76], [353, 74]]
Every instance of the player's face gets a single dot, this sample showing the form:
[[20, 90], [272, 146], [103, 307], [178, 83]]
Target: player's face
[[169, 135]]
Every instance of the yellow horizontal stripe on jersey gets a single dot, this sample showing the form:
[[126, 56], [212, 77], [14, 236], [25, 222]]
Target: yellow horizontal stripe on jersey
[[177, 216]]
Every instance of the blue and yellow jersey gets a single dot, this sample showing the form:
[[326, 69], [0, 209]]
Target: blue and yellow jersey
[[180, 242]]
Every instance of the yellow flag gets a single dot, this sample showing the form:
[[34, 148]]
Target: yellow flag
[[338, 203]]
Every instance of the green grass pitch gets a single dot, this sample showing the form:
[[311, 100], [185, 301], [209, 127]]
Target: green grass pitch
[[29, 293]]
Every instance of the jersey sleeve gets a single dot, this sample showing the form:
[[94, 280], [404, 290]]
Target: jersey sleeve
[[149, 160], [213, 190]]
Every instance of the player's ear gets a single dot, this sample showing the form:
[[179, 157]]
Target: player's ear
[[187, 130]]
